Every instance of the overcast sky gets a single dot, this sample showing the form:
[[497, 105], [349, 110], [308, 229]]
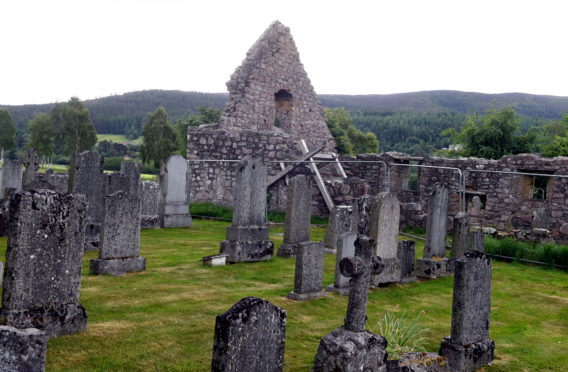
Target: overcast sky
[[54, 49]]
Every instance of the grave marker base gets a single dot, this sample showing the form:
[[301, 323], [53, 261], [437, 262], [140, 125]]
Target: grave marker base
[[432, 268], [469, 357], [117, 266], [22, 349], [247, 251]]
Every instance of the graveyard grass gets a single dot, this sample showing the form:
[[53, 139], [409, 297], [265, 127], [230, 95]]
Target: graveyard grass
[[163, 318]]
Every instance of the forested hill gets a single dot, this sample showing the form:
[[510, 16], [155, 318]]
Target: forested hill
[[409, 122]]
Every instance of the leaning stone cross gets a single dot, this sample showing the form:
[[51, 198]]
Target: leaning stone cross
[[31, 162], [360, 271]]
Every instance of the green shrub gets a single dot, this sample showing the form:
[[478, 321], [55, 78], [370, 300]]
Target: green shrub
[[403, 334], [549, 253]]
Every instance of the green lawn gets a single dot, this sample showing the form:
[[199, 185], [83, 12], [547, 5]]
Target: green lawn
[[118, 138], [163, 319]]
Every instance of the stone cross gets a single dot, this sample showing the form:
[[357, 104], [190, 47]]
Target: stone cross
[[359, 270], [31, 162]]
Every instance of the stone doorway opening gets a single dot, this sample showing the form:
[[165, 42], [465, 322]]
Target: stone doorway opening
[[283, 107]]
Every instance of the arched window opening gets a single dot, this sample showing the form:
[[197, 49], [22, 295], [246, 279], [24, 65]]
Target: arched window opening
[[283, 105]]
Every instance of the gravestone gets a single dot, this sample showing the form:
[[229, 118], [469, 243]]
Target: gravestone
[[459, 238], [308, 278], [406, 255], [249, 337], [475, 210], [351, 347], [22, 349], [60, 181], [435, 264], [86, 177], [475, 240], [43, 262], [540, 219], [119, 251], [175, 179], [339, 222], [149, 218], [247, 238], [298, 215], [469, 347], [11, 177], [360, 218], [383, 229], [31, 162], [345, 248]]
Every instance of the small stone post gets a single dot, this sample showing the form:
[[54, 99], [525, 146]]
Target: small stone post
[[298, 215], [469, 347], [339, 222], [308, 278]]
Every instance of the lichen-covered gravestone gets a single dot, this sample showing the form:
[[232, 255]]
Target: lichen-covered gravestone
[[406, 255], [119, 251], [469, 347], [339, 223], [360, 218], [308, 278], [298, 215], [86, 177], [435, 264], [345, 248], [31, 162], [43, 262], [11, 177], [22, 349], [175, 179], [249, 337], [247, 237], [149, 218]]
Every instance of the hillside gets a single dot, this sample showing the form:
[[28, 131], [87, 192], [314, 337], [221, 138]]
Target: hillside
[[409, 122]]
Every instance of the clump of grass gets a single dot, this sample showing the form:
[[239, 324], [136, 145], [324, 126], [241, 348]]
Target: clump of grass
[[544, 252], [403, 333], [209, 209]]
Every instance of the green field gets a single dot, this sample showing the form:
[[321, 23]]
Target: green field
[[163, 319], [118, 138]]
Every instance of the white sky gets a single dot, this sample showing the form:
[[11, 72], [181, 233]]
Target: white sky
[[54, 49]]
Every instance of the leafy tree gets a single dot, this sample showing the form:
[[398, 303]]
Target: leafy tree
[[56, 116], [349, 140], [205, 115], [554, 141], [7, 130], [41, 133], [159, 138], [78, 133]]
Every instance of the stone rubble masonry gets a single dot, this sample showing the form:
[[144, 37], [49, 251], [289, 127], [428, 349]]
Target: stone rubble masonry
[[308, 278], [469, 347], [339, 222], [247, 237], [345, 248], [11, 177], [149, 218], [43, 262], [298, 215], [86, 177], [406, 255], [249, 337], [120, 234], [22, 350], [436, 225], [175, 179]]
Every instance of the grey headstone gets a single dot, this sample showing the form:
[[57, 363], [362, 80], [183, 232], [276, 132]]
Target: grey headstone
[[476, 206], [43, 262], [384, 224], [298, 215], [470, 314], [346, 248], [31, 162], [475, 240], [11, 177], [459, 235], [339, 222], [22, 350], [406, 255], [360, 218], [175, 179], [540, 219], [249, 337], [436, 224], [308, 277], [149, 218], [86, 177]]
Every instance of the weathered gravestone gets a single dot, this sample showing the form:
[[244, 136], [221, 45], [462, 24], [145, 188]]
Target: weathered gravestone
[[383, 229], [119, 251], [86, 177], [435, 264], [475, 240], [59, 181], [339, 223], [459, 238], [31, 162], [298, 215], [22, 350], [345, 248], [43, 262], [11, 177], [175, 180], [406, 255], [351, 348], [540, 219], [469, 347], [249, 337], [361, 216], [149, 218], [308, 278], [247, 238]]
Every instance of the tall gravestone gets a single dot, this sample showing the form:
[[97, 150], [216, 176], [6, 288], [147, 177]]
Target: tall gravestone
[[406, 255], [250, 337], [149, 217], [339, 222], [119, 251], [175, 179], [86, 177], [435, 264], [469, 346], [475, 240], [351, 347], [383, 229], [22, 349], [31, 162], [308, 277], [43, 262], [298, 215], [345, 248], [460, 232], [247, 238], [11, 177], [361, 216]]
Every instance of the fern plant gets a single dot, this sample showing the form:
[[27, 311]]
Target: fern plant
[[403, 333]]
